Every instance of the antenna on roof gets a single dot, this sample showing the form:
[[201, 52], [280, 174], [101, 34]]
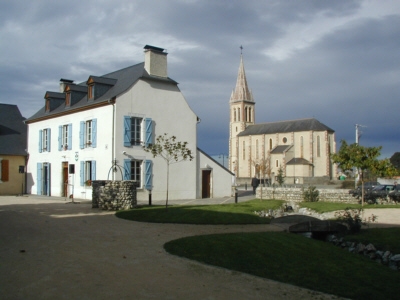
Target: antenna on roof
[[241, 49]]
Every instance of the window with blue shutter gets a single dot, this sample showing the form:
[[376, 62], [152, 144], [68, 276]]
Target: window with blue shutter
[[69, 136], [148, 123], [82, 135], [39, 178], [148, 176], [127, 169], [127, 131], [60, 139], [48, 139], [40, 141], [94, 133], [93, 174], [82, 173]]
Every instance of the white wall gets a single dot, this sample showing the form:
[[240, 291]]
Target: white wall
[[167, 107], [221, 178], [102, 154]]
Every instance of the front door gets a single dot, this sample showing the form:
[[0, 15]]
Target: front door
[[65, 179], [206, 184]]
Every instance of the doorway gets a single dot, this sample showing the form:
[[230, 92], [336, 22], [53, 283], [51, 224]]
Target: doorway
[[64, 168], [206, 184]]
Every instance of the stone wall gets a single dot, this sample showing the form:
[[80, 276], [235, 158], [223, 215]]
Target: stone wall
[[114, 195], [296, 194]]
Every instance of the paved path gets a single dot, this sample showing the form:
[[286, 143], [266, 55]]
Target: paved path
[[53, 250]]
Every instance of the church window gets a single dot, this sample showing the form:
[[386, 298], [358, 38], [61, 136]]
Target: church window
[[245, 113], [318, 147], [277, 163], [250, 115], [270, 144], [236, 128], [238, 114], [301, 147], [244, 150], [234, 115], [256, 149], [284, 140]]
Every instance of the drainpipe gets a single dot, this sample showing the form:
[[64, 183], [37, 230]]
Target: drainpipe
[[112, 101]]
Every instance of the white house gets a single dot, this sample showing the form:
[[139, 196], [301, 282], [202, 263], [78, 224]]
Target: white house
[[95, 130]]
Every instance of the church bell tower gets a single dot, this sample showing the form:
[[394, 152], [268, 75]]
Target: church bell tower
[[241, 114]]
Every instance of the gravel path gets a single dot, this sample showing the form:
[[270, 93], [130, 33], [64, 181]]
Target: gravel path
[[53, 250]]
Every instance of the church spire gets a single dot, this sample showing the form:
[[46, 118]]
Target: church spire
[[241, 91]]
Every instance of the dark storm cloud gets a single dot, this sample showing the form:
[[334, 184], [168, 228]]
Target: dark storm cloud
[[337, 61]]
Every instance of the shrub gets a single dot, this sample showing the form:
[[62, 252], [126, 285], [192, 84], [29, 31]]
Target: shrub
[[311, 194], [353, 219]]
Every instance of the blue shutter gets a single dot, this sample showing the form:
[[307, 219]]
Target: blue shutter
[[127, 169], [48, 192], [82, 135], [94, 133], [39, 178], [127, 131], [69, 136], [40, 141], [148, 174], [60, 138], [148, 123], [82, 173], [48, 139], [93, 170]]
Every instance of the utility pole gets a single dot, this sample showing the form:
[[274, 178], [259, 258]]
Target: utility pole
[[358, 132]]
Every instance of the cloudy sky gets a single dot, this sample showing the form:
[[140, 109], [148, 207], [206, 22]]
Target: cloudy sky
[[337, 61]]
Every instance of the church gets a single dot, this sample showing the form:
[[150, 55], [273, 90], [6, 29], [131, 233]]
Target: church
[[300, 150]]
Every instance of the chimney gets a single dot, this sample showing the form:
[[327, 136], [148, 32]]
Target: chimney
[[155, 61], [64, 83]]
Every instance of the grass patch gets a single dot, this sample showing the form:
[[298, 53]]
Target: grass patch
[[293, 259], [381, 238], [240, 213], [322, 207]]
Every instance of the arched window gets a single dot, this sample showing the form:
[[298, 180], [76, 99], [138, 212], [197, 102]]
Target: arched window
[[318, 147], [301, 147], [234, 115], [239, 114], [270, 144], [256, 149], [245, 114]]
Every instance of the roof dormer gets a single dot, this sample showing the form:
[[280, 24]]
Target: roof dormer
[[53, 100], [74, 93], [98, 86]]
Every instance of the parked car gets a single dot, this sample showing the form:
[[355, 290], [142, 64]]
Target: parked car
[[394, 195], [378, 192], [367, 187]]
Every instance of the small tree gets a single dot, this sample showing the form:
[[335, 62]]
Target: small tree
[[171, 151], [280, 177], [362, 158]]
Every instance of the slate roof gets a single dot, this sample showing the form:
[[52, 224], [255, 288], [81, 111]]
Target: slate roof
[[13, 131], [285, 127], [280, 149], [298, 161], [124, 79]]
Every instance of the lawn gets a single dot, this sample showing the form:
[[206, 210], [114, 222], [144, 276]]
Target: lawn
[[240, 213], [281, 256], [293, 259]]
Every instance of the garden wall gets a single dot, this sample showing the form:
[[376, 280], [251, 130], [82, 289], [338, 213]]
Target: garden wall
[[114, 195], [296, 194]]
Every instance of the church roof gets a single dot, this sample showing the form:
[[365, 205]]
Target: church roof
[[298, 161], [285, 127], [241, 91], [280, 149]]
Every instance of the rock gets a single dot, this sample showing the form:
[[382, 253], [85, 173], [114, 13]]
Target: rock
[[395, 258], [370, 248]]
